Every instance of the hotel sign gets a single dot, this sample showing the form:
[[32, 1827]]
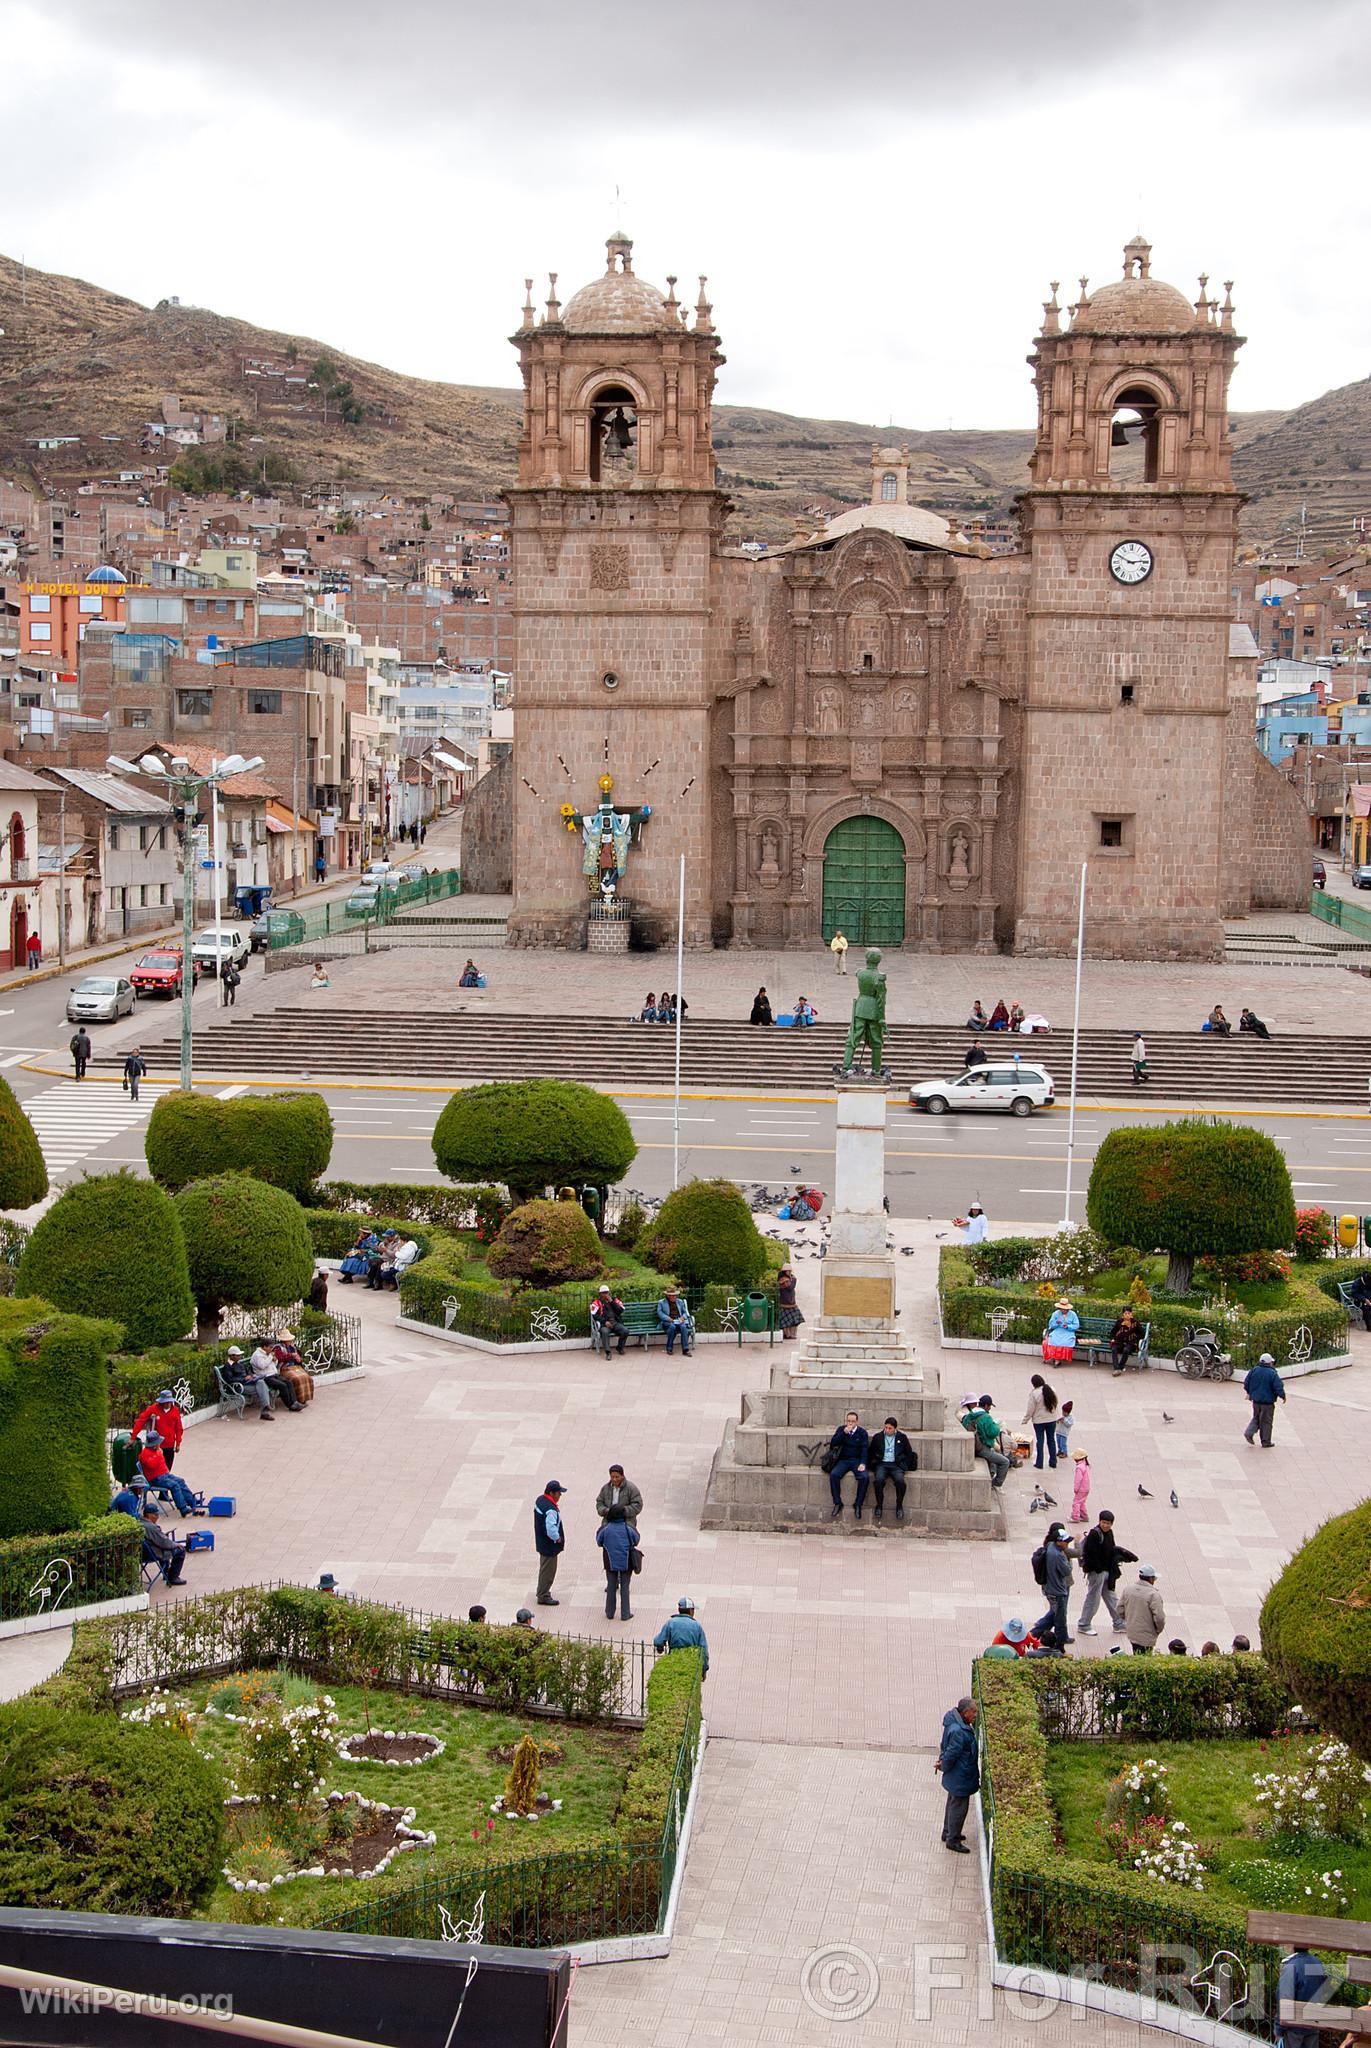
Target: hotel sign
[[76, 589]]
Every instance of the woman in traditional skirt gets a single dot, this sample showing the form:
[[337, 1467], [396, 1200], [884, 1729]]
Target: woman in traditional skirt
[[789, 1315]]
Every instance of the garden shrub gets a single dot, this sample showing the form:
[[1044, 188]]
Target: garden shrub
[[631, 1224], [1332, 1273], [1316, 1627], [283, 1139], [23, 1171], [521, 1786], [532, 1135], [54, 1405], [100, 1817], [246, 1242], [1195, 1186], [544, 1243], [1321, 1790], [480, 1209], [704, 1233], [104, 1557], [673, 1707], [333, 1233], [1243, 1269], [111, 1246], [1004, 1258], [1313, 1234]]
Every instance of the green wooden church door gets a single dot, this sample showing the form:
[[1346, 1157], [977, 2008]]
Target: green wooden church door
[[864, 883]]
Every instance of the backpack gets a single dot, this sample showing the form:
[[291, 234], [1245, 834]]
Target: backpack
[[1039, 1563]]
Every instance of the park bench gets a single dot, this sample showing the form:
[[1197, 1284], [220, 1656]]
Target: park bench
[[1092, 1339], [640, 1317], [1345, 1297]]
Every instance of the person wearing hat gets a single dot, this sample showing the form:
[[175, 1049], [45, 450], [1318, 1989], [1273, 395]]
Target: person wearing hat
[[976, 1225], [291, 1366], [235, 1374], [1263, 1387], [607, 1319], [1018, 1637], [1052, 1628], [327, 1583], [161, 1548], [976, 1417], [263, 1373], [1080, 1492], [681, 1631], [1063, 1328], [549, 1538], [524, 1618], [164, 1416], [129, 1499], [161, 1478], [1144, 1616]]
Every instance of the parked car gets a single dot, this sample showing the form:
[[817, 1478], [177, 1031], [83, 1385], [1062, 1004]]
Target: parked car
[[100, 999], [1320, 875], [281, 925], [159, 973], [1361, 877], [1018, 1087], [363, 901], [232, 944]]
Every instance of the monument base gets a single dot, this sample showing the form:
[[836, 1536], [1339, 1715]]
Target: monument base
[[857, 1288]]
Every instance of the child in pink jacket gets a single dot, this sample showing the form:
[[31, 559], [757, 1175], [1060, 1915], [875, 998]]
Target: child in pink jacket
[[1081, 1491]]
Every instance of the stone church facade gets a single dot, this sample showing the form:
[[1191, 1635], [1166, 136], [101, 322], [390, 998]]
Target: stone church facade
[[880, 726]]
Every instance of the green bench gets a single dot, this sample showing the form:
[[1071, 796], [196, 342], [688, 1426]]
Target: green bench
[[640, 1318], [1093, 1338], [1345, 1297]]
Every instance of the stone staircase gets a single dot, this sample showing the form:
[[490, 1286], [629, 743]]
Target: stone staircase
[[484, 1045]]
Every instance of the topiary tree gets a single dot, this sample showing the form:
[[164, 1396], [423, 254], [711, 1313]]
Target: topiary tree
[[1199, 1185], [246, 1242], [285, 1140], [81, 1798], [704, 1233], [1316, 1626], [53, 1478], [23, 1170], [544, 1243], [112, 1246], [532, 1134]]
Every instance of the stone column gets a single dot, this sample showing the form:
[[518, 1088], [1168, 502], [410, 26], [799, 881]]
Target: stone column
[[859, 1273]]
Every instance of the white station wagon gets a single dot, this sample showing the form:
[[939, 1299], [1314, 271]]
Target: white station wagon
[[1017, 1086]]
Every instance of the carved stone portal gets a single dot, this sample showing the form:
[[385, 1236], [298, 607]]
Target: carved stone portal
[[609, 567]]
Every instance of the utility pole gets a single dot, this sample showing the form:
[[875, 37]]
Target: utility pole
[[62, 881]]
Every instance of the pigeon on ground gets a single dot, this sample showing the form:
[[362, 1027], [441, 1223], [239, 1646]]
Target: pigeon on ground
[[1143, 1493], [1174, 1500], [1166, 1417]]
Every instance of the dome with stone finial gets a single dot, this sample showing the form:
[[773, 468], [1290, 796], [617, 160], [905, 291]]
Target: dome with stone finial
[[1137, 303], [619, 302]]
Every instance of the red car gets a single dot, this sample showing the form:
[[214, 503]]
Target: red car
[[159, 973]]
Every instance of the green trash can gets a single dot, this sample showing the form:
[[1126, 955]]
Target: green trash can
[[590, 1202], [756, 1313], [123, 1457]]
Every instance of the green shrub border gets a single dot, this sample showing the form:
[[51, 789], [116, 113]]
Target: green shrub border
[[105, 1559], [455, 1207], [1085, 1919], [967, 1306]]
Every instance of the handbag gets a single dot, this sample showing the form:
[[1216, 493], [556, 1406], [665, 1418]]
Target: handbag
[[828, 1460], [635, 1559]]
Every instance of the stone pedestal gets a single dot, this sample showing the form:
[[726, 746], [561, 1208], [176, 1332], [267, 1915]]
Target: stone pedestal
[[858, 1278], [607, 934]]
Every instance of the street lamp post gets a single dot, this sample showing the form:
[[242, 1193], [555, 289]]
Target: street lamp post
[[186, 787]]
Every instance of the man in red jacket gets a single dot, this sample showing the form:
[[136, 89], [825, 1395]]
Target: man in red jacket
[[162, 1479], [164, 1416]]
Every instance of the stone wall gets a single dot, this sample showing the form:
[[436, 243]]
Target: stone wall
[[1282, 849], [488, 833]]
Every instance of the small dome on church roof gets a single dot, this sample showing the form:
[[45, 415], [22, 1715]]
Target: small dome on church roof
[[1136, 303], [619, 302], [104, 574]]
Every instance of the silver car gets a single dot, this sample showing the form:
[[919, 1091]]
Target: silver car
[[100, 999], [1019, 1086]]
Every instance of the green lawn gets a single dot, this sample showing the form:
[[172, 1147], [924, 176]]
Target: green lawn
[[1211, 1791], [451, 1795], [1255, 1296]]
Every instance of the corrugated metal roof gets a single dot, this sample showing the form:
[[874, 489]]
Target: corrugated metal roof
[[12, 776], [115, 792]]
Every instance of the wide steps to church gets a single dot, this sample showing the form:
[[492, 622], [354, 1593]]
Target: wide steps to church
[[1187, 1066]]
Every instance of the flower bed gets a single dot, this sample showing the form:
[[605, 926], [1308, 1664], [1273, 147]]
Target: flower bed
[[387, 1746]]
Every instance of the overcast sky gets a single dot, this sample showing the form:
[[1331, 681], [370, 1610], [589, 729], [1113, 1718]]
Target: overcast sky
[[880, 191]]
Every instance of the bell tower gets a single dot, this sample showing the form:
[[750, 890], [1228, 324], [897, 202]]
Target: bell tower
[[616, 521], [1130, 521]]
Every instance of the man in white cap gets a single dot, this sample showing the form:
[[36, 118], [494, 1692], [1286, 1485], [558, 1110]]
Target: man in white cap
[[1144, 1616], [607, 1316]]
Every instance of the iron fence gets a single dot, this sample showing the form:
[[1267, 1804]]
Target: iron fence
[[307, 927], [1336, 910], [42, 1575], [559, 1901], [327, 1342]]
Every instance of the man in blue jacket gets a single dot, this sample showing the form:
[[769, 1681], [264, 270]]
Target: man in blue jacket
[[847, 1448], [1263, 1388], [959, 1762], [549, 1538], [683, 1632], [1303, 1978]]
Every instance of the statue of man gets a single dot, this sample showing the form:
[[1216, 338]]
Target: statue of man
[[868, 1016]]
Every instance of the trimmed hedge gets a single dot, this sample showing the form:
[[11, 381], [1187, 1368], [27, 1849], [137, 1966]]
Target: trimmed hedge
[[1316, 1626], [967, 1308], [1195, 1186], [284, 1139], [100, 1817], [53, 1417], [105, 1559], [532, 1135], [459, 1208], [705, 1235], [23, 1170], [673, 1709], [333, 1232], [112, 1246], [246, 1242], [478, 1310], [542, 1244]]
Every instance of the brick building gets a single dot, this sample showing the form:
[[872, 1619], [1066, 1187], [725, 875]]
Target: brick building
[[882, 726]]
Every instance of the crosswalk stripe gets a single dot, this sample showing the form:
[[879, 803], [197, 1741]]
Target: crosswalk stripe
[[73, 1120]]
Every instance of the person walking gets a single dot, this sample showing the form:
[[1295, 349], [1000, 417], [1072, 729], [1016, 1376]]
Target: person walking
[[1144, 1616], [1042, 1413], [35, 951], [837, 946], [1139, 1060], [163, 1417], [1080, 1491], [135, 1066], [618, 1539], [320, 867], [847, 1448], [683, 1632], [1102, 1559], [976, 1417], [959, 1763], [890, 1457], [80, 1050], [1056, 1582], [619, 1492], [549, 1538], [1263, 1387], [229, 978]]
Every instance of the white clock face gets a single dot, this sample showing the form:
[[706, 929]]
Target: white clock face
[[1131, 562]]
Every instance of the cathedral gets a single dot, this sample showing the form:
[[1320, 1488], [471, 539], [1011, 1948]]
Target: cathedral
[[880, 727]]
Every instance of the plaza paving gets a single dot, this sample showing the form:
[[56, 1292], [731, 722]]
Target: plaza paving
[[834, 1655]]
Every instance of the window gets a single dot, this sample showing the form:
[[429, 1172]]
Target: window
[[889, 487], [92, 605], [40, 632], [143, 896], [194, 703], [1126, 692], [139, 720], [220, 605], [38, 602], [264, 701], [1134, 435], [113, 837], [116, 898], [1111, 831], [163, 893]]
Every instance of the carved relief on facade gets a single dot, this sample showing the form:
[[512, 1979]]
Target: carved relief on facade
[[769, 845], [829, 710], [915, 647], [866, 640], [906, 711], [768, 705], [963, 713], [961, 857], [609, 567], [866, 760]]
